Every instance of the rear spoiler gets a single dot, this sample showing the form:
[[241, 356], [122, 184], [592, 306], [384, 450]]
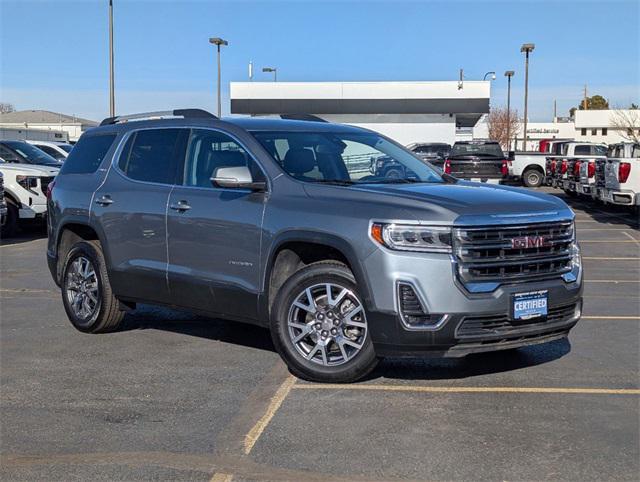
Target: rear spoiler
[[184, 113]]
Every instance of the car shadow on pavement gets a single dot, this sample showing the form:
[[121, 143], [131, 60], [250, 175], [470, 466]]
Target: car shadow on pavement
[[614, 215], [25, 235], [471, 365], [147, 317]]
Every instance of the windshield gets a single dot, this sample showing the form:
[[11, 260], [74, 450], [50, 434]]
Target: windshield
[[31, 154], [344, 158], [488, 150]]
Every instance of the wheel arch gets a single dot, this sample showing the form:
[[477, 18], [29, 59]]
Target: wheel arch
[[69, 233], [303, 247]]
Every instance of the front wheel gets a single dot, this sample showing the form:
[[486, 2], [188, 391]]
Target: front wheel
[[319, 325]]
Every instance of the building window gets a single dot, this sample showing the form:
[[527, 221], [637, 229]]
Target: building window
[[604, 131], [583, 132], [594, 132]]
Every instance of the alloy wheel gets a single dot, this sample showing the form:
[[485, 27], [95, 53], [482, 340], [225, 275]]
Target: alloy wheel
[[82, 288]]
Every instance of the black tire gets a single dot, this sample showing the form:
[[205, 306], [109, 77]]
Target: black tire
[[11, 221], [354, 368], [393, 174], [106, 315], [532, 178]]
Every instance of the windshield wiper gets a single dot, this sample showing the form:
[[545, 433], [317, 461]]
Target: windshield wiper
[[336, 182]]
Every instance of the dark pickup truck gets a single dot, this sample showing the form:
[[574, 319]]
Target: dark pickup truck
[[478, 161]]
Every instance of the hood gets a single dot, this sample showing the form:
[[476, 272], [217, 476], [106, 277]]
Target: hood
[[29, 169], [464, 202]]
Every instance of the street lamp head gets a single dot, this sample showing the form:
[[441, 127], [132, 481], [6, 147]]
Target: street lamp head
[[527, 48], [509, 73], [218, 41], [269, 69]]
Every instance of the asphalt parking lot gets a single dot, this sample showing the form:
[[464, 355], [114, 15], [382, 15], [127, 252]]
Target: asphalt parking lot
[[176, 396]]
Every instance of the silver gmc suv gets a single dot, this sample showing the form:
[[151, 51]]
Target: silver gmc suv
[[279, 222]]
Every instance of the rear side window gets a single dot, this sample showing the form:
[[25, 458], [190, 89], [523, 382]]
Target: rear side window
[[88, 153], [582, 150], [153, 155]]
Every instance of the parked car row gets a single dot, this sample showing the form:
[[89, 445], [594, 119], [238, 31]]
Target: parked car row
[[26, 170], [613, 178]]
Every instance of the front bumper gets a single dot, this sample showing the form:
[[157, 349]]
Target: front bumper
[[432, 277]]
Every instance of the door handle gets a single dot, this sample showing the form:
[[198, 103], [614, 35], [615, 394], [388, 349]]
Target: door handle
[[104, 200], [180, 206]]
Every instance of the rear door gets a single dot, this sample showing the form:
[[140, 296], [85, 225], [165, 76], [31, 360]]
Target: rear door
[[131, 207], [214, 232]]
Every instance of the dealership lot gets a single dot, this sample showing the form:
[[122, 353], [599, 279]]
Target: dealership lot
[[179, 396]]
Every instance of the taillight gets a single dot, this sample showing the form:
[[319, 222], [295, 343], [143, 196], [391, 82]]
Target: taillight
[[576, 168], [591, 169], [623, 171], [552, 167], [50, 189], [505, 167], [447, 166], [563, 167]]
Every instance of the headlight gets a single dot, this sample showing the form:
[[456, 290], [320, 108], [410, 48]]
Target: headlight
[[413, 237], [28, 182]]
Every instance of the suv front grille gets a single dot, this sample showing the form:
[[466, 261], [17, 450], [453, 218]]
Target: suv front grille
[[490, 254], [503, 326]]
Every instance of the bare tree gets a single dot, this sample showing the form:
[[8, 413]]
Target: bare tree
[[627, 123], [503, 125], [6, 107]]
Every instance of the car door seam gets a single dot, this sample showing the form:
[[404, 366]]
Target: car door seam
[[166, 238]]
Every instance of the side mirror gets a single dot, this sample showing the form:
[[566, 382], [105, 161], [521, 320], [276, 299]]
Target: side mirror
[[236, 178]]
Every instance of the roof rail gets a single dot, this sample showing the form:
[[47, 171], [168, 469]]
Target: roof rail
[[186, 113], [302, 117]]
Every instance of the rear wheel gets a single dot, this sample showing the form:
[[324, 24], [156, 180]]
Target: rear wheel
[[393, 174], [532, 178], [319, 325], [86, 292]]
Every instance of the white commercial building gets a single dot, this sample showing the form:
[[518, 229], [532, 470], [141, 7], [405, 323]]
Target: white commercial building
[[405, 111], [46, 120]]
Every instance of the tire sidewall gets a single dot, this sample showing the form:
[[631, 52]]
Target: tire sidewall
[[320, 273], [88, 251], [11, 220]]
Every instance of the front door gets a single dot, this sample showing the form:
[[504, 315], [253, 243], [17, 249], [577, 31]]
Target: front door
[[214, 233]]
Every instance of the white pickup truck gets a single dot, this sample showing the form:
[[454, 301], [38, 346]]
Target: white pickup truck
[[622, 175], [531, 167], [25, 193]]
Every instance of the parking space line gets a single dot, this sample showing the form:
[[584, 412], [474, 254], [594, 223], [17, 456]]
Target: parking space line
[[610, 258], [612, 280], [254, 434], [595, 317], [631, 237], [422, 389], [220, 477]]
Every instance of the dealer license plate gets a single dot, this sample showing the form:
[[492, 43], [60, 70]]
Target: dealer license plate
[[530, 305]]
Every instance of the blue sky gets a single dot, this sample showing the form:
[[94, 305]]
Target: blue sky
[[54, 53]]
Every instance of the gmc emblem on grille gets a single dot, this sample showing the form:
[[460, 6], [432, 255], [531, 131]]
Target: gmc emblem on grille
[[530, 242]]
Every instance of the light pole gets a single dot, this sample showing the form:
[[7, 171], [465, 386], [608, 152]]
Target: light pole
[[508, 74], [112, 99], [272, 69], [218, 42], [493, 76], [527, 49]]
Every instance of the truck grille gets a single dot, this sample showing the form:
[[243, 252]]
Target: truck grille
[[502, 326], [490, 254], [44, 183]]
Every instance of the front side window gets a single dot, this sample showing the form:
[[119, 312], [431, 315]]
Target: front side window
[[342, 157], [209, 150], [51, 151], [153, 155]]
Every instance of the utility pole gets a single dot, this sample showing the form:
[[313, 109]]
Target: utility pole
[[586, 105], [555, 110], [218, 42], [527, 49], [509, 74], [460, 82], [112, 99]]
